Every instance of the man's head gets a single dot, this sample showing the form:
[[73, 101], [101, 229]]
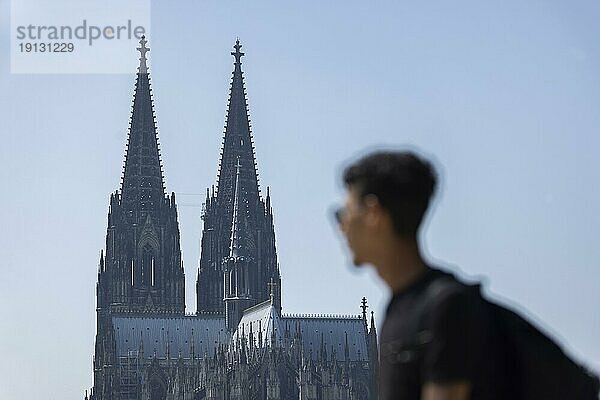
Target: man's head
[[388, 195]]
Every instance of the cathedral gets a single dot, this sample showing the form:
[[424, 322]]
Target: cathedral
[[238, 345]]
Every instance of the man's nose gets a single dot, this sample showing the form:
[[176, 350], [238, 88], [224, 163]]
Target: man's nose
[[344, 224]]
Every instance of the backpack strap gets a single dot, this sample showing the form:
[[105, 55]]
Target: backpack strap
[[418, 334], [418, 331]]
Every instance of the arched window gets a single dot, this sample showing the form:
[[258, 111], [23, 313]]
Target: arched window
[[148, 264]]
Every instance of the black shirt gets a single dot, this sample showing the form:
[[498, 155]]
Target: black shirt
[[452, 338]]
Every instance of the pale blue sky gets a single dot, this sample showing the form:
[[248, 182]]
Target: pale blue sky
[[503, 95]]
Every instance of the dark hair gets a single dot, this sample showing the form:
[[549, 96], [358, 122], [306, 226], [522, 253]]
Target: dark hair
[[402, 182]]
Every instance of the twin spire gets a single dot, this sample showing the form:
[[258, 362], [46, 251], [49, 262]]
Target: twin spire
[[238, 148], [143, 182], [238, 233], [142, 186]]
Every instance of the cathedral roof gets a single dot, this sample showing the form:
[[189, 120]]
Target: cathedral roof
[[262, 320], [185, 335], [316, 332], [330, 332]]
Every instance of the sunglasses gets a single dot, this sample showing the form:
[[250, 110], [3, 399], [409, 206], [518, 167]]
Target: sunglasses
[[338, 214]]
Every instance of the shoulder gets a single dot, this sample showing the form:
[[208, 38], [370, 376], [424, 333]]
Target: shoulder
[[456, 322], [449, 299], [439, 294]]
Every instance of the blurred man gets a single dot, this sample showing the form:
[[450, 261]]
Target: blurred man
[[437, 341]]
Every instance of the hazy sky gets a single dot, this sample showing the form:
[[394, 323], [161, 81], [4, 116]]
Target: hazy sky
[[503, 95]]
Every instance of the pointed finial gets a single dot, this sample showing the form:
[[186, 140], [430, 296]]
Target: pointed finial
[[323, 348], [271, 285], [143, 50], [237, 53], [364, 306], [372, 322], [101, 263]]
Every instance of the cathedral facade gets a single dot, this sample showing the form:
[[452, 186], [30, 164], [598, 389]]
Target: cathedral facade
[[239, 345]]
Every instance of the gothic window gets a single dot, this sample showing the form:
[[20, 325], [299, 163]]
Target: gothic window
[[148, 266]]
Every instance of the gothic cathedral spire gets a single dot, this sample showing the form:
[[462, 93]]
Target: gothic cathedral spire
[[237, 142], [237, 220], [142, 268], [142, 185]]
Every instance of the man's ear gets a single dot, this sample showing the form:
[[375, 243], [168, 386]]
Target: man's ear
[[374, 213]]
